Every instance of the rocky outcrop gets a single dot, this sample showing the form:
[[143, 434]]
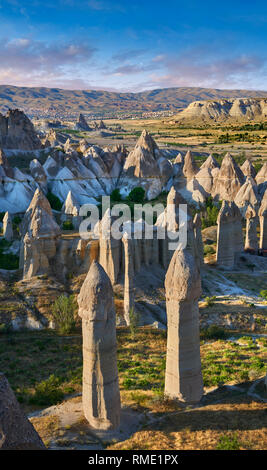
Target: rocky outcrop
[[248, 169], [17, 131], [229, 234], [145, 166], [101, 396], [128, 278], [16, 431], [82, 124], [247, 196], [263, 222], [183, 377], [199, 242], [70, 211], [229, 181], [41, 233], [261, 176], [190, 168], [252, 221], [110, 249], [240, 109], [7, 227]]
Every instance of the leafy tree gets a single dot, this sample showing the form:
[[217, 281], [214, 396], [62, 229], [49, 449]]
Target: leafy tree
[[137, 195], [54, 201]]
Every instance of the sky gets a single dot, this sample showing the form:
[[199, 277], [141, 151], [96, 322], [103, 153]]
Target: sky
[[133, 45]]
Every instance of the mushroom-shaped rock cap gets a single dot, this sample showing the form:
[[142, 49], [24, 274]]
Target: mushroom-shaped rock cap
[[182, 281], [96, 295]]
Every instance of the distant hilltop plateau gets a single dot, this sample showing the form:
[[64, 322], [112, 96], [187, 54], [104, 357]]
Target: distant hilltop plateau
[[239, 109], [39, 101]]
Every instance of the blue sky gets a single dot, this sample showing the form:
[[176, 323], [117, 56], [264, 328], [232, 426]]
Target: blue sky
[[133, 45]]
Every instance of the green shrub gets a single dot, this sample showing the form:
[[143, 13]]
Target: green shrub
[[8, 261], [54, 201], [210, 300], [263, 293], [63, 313], [137, 195], [48, 392], [213, 332], [208, 250], [228, 442], [67, 225], [115, 195]]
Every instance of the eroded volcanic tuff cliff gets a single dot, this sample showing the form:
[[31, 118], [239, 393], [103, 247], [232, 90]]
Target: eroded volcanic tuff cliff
[[238, 109]]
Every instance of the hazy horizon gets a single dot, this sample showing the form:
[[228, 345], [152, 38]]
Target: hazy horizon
[[116, 46]]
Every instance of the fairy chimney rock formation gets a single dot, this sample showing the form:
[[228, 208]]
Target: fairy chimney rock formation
[[16, 431], [251, 242], [225, 236], [7, 227], [183, 379], [40, 234], [263, 222], [248, 169], [128, 278], [82, 124], [142, 160], [101, 395], [261, 176], [198, 236], [229, 180], [17, 131], [190, 168]]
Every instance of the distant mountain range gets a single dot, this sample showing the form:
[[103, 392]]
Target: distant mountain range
[[55, 101]]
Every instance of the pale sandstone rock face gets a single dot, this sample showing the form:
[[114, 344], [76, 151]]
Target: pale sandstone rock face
[[248, 169], [70, 211], [230, 179], [147, 167], [198, 236], [17, 132], [224, 109], [40, 237], [110, 249], [190, 168], [229, 234], [261, 176], [225, 248], [16, 431], [263, 222], [7, 227], [183, 378], [128, 278], [247, 196], [252, 221], [101, 395], [205, 179]]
